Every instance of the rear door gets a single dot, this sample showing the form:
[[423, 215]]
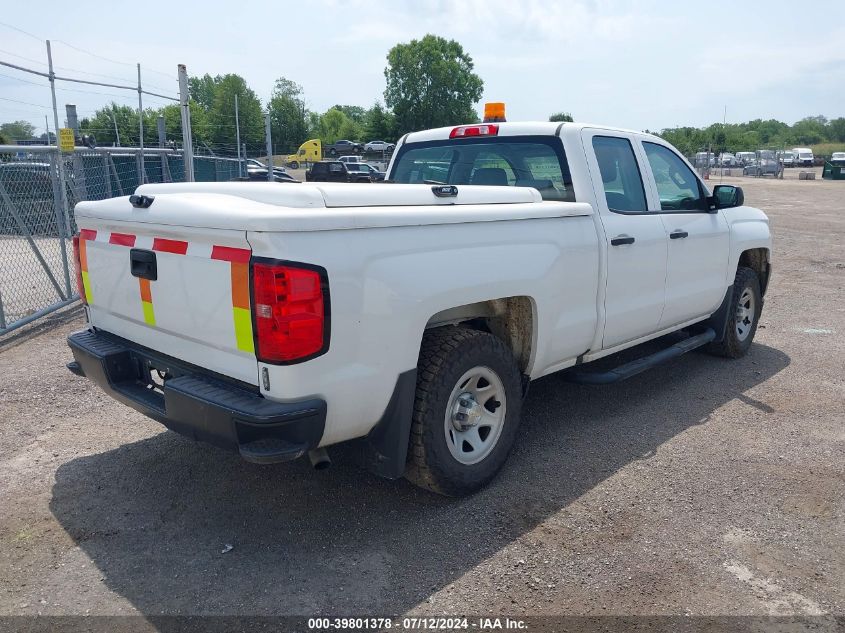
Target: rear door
[[182, 291], [636, 238], [698, 241]]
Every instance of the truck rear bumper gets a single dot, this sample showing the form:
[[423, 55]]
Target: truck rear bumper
[[197, 403]]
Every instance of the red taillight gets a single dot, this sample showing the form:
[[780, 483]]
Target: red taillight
[[77, 258], [290, 311], [487, 129]]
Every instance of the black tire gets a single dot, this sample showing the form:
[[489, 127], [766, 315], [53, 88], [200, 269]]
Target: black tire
[[333, 151], [446, 354], [294, 165], [733, 345]]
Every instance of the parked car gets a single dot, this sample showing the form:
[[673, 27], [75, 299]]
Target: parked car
[[351, 159], [745, 158], [334, 171], [379, 146], [374, 174], [705, 159], [837, 158], [29, 186], [412, 317], [787, 159], [803, 156], [259, 175], [765, 164], [343, 147], [727, 160]]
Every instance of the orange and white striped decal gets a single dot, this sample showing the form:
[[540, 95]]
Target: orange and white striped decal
[[85, 235], [241, 313], [238, 259]]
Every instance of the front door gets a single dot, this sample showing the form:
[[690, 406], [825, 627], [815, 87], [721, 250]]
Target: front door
[[699, 241]]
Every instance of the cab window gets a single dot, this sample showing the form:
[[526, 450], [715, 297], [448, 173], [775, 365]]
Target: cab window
[[677, 185], [519, 161], [620, 174]]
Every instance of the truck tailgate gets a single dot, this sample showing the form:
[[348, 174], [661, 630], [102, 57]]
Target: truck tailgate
[[179, 290]]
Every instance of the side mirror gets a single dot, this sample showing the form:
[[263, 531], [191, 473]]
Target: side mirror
[[726, 196]]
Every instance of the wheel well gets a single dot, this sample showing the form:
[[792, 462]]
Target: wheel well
[[757, 259], [510, 318]]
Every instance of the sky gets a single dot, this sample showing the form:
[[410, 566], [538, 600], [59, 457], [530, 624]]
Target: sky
[[635, 64]]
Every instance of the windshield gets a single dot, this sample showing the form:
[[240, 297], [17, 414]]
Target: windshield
[[518, 161]]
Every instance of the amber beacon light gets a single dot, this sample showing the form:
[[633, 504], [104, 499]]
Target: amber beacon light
[[494, 112]]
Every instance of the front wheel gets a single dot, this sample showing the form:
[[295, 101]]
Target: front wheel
[[294, 165], [466, 412], [743, 316]]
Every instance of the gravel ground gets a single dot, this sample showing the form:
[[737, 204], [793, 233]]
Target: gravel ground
[[704, 487]]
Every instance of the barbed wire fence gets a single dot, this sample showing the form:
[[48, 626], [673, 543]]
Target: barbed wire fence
[[41, 184]]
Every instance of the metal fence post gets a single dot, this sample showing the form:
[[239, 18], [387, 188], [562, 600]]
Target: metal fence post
[[57, 206], [238, 135], [142, 172], [187, 144], [269, 147], [2, 313]]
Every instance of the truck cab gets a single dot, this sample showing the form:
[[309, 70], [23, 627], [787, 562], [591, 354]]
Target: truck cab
[[309, 152]]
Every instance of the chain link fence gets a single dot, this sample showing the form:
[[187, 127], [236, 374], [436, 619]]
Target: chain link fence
[[39, 188]]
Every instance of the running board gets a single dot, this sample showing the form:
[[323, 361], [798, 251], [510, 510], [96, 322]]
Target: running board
[[641, 364]]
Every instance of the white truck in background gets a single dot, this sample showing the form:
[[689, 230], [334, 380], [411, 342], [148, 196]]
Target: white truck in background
[[278, 320]]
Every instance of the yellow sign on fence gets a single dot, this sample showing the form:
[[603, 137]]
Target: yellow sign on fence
[[66, 141]]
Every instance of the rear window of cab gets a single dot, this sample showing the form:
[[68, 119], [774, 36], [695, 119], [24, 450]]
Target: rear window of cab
[[515, 161]]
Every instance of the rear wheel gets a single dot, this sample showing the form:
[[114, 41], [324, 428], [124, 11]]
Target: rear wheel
[[333, 151], [466, 411], [294, 165], [743, 315]]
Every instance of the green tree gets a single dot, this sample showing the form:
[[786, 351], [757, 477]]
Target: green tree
[[4, 140], [102, 125], [431, 83], [379, 124], [333, 124], [836, 129], [202, 89], [17, 130], [221, 116], [563, 117], [288, 117], [355, 113]]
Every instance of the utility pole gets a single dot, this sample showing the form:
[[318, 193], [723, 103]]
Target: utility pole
[[187, 145], [269, 147], [238, 134]]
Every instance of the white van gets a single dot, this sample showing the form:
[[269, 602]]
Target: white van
[[803, 156]]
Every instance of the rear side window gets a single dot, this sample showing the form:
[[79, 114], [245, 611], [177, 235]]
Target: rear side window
[[518, 161], [620, 174], [319, 168], [677, 185]]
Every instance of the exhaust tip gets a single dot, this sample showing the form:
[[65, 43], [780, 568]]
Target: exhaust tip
[[319, 459]]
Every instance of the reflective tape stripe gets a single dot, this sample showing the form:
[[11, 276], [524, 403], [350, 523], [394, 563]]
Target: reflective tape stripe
[[86, 283], [243, 329], [178, 247], [241, 314], [230, 254], [87, 234], [122, 239], [147, 301]]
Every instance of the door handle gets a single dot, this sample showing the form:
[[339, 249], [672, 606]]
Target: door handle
[[143, 264], [678, 235], [621, 239]]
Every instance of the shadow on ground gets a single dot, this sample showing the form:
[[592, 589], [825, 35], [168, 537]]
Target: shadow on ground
[[154, 515]]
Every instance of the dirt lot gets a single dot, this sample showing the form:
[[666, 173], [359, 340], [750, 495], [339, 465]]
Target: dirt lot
[[702, 487]]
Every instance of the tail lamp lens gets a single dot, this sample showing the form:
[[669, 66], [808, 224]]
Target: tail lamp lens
[[77, 258], [290, 312]]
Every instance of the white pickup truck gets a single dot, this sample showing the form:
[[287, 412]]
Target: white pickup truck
[[279, 319]]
